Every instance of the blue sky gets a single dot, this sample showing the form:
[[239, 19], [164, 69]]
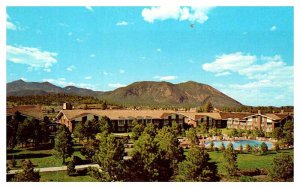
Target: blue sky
[[245, 52]]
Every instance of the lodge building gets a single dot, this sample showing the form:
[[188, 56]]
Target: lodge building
[[121, 120]]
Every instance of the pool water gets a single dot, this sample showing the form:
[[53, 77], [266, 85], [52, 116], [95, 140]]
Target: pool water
[[236, 144]]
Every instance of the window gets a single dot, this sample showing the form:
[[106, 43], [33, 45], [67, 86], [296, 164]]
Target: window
[[236, 120]]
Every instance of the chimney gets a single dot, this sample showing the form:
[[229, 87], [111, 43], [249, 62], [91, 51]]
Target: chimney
[[258, 112], [67, 106], [282, 111]]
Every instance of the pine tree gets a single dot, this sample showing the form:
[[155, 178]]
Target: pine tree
[[197, 167], [63, 143], [27, 174], [263, 148], [109, 156], [208, 107], [230, 158], [282, 168]]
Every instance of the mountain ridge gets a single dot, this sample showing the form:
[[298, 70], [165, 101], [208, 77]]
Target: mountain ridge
[[142, 93]]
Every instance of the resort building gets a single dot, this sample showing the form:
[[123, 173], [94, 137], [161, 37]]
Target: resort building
[[266, 122], [211, 120], [120, 120]]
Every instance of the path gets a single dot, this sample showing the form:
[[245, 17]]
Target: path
[[59, 168]]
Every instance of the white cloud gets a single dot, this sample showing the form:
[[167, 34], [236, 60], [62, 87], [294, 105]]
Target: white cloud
[[158, 50], [122, 23], [71, 68], [24, 79], [89, 8], [273, 28], [116, 85], [121, 71], [223, 73], [165, 78], [265, 77], [229, 62], [192, 14], [10, 25], [33, 57], [88, 77], [105, 73], [63, 83], [92, 55]]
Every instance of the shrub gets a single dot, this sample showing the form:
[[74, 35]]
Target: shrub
[[77, 160], [222, 148], [248, 148], [276, 147], [27, 174], [241, 148], [263, 148], [211, 145], [71, 168], [82, 172], [282, 168]]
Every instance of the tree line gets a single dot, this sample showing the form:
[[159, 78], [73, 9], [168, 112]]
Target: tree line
[[23, 131]]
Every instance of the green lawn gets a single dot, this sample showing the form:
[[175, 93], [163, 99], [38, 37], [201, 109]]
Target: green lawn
[[41, 158], [62, 176], [248, 161]]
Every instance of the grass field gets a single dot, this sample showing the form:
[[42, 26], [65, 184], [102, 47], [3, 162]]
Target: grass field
[[40, 158], [248, 161], [62, 176]]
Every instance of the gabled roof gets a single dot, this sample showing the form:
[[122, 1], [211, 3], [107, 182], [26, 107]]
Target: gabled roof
[[233, 115], [117, 114], [34, 111], [196, 116], [275, 117]]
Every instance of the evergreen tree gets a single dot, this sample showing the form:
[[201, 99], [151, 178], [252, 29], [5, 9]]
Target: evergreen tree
[[27, 174], [248, 148], [109, 156], [208, 107], [176, 128], [71, 168], [230, 160], [241, 148], [63, 143], [211, 146], [136, 130], [192, 136], [263, 148], [197, 167], [276, 147], [282, 168], [170, 153], [222, 148]]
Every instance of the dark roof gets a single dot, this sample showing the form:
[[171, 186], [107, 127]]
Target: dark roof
[[233, 115], [34, 111]]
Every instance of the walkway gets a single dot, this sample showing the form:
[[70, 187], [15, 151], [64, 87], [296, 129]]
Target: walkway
[[59, 168]]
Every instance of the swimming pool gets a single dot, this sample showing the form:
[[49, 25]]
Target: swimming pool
[[236, 144]]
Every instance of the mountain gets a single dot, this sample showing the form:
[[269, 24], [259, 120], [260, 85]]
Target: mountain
[[22, 88], [165, 93], [148, 93]]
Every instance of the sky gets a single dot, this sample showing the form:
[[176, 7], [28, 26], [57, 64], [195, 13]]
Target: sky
[[245, 52]]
